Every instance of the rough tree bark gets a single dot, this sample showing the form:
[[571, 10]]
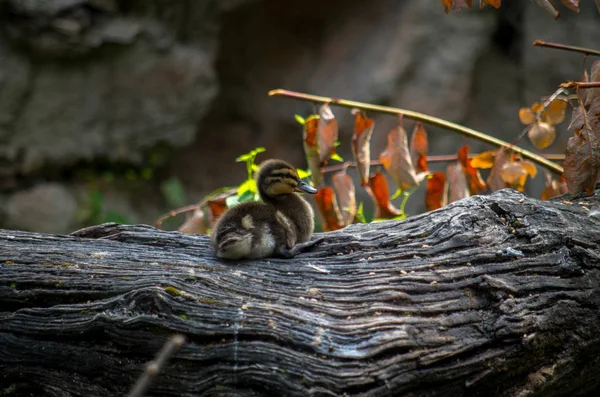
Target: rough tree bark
[[493, 295]]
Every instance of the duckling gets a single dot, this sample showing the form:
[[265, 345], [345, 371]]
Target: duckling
[[281, 225]]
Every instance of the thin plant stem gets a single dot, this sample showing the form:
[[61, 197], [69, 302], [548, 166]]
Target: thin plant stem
[[565, 47], [420, 117], [155, 366]]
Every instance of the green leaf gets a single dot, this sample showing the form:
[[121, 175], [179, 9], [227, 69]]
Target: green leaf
[[173, 192], [251, 155], [336, 144], [303, 173], [359, 214], [249, 185], [336, 157], [397, 194], [299, 119], [255, 168], [248, 196], [232, 201]]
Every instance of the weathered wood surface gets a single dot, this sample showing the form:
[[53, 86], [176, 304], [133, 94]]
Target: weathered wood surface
[[440, 304]]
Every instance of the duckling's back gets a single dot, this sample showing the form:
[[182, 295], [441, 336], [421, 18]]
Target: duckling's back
[[250, 230]]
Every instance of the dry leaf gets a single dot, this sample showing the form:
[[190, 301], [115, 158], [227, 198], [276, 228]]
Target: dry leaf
[[594, 76], [361, 148], [483, 160], [572, 5], [380, 193], [457, 183], [419, 146], [397, 160], [549, 7], [554, 186], [327, 133], [541, 134], [495, 181], [582, 162], [344, 187], [311, 147], [474, 180], [436, 193], [194, 224], [328, 209]]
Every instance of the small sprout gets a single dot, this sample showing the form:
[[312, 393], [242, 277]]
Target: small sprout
[[403, 272], [433, 282]]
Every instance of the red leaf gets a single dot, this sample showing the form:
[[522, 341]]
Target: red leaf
[[216, 209], [344, 187], [328, 209], [311, 147], [380, 193], [397, 160], [419, 147], [476, 184], [435, 196], [327, 133], [361, 149]]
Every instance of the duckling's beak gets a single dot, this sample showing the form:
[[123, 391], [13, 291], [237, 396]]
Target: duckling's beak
[[305, 187]]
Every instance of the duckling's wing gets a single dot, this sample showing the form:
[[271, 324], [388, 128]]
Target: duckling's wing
[[249, 230]]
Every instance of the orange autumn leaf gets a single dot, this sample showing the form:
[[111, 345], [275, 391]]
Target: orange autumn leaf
[[435, 195], [483, 160], [194, 224], [456, 5], [555, 111], [216, 209], [474, 180], [495, 181], [344, 187], [397, 160], [419, 146], [310, 142], [361, 148], [493, 3], [542, 134], [380, 193], [327, 133], [458, 187], [526, 115], [328, 209]]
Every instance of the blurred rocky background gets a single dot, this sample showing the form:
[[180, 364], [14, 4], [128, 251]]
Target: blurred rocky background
[[119, 110]]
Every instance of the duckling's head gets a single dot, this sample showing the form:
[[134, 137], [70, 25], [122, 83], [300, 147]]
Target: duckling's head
[[277, 178]]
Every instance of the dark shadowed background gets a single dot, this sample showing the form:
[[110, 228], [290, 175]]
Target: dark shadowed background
[[119, 110]]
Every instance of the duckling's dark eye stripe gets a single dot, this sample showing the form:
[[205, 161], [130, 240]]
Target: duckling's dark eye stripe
[[284, 173], [287, 179]]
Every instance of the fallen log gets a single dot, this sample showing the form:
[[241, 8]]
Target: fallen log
[[493, 295]]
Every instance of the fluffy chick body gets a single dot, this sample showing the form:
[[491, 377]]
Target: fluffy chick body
[[278, 226]]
